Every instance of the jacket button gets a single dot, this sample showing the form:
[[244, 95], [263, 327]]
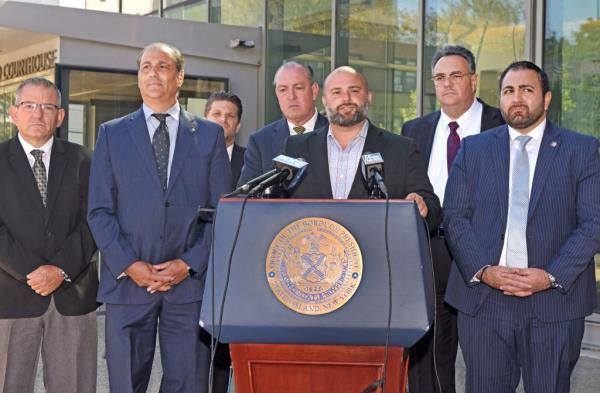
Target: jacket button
[[48, 233], [167, 204]]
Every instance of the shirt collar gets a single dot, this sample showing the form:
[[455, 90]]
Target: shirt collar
[[173, 111], [46, 147], [309, 125], [536, 134], [361, 134], [465, 118]]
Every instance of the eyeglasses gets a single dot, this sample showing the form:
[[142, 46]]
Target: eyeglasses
[[454, 78], [32, 106]]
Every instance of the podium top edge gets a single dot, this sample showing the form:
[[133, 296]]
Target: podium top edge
[[314, 200]]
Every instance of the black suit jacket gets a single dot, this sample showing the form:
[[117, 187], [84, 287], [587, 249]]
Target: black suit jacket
[[404, 169], [32, 235], [237, 162], [422, 129]]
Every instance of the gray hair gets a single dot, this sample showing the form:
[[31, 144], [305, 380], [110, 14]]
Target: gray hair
[[455, 50], [37, 81], [168, 49], [294, 64]]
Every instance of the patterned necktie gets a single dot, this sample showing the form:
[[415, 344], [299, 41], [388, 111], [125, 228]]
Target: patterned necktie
[[160, 145], [453, 143], [516, 247], [299, 129], [39, 172]]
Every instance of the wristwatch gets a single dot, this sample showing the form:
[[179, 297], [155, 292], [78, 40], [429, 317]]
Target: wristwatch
[[65, 276], [553, 283], [192, 272]]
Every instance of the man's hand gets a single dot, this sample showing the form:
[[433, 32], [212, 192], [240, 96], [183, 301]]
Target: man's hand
[[45, 279], [413, 196], [146, 276], [534, 279], [176, 268]]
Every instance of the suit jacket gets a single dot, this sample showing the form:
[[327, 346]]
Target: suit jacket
[[563, 225], [32, 235], [237, 161], [132, 219], [404, 169], [422, 129], [265, 144]]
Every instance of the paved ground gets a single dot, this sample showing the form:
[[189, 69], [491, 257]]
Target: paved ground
[[586, 377]]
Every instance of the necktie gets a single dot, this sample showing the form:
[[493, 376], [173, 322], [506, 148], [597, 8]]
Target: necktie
[[453, 143], [516, 247], [39, 172], [299, 129], [160, 145]]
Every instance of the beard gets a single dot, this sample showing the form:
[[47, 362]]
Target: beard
[[525, 118], [335, 117]]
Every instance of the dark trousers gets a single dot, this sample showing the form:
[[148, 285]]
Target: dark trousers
[[432, 359], [130, 342], [505, 340], [221, 365]]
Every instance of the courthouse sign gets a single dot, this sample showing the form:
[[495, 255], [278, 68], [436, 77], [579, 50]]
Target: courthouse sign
[[28, 65]]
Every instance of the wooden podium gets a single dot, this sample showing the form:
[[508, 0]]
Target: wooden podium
[[275, 349], [315, 368]]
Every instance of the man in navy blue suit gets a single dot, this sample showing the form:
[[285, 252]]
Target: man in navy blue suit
[[296, 93], [151, 172], [522, 207]]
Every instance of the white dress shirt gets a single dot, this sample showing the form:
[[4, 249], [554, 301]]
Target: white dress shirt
[[46, 148], [468, 124], [533, 149], [308, 126]]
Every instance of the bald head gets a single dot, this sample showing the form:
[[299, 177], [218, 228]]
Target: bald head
[[346, 70]]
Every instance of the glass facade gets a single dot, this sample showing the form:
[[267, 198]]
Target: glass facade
[[494, 30], [572, 61], [96, 96]]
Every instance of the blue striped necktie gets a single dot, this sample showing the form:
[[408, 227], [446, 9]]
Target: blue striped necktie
[[516, 250]]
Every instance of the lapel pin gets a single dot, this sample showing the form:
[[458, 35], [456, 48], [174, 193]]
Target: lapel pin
[[193, 128], [553, 144]]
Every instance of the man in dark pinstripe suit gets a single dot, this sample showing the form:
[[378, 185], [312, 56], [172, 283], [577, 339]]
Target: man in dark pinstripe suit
[[522, 207]]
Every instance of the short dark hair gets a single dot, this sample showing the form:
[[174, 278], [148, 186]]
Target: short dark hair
[[455, 50], [37, 81], [169, 49], [527, 65], [294, 64], [224, 96]]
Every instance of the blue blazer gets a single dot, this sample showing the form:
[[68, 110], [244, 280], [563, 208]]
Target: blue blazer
[[265, 144], [130, 217], [563, 227]]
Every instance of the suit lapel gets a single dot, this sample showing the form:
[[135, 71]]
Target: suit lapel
[[490, 118], [281, 133], [18, 160], [185, 134], [373, 144], [138, 130], [58, 162], [501, 160], [428, 135], [317, 150], [548, 149]]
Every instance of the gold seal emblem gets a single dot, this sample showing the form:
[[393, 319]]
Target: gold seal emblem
[[314, 266]]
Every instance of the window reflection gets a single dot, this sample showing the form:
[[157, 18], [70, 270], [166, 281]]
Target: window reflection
[[494, 30]]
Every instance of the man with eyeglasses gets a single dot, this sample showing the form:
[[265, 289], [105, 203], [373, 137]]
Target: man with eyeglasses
[[438, 136], [48, 276]]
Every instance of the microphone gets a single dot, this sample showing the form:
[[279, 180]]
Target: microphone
[[251, 183], [288, 172], [371, 165]]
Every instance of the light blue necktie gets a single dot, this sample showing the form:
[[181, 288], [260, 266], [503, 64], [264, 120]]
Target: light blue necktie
[[516, 250]]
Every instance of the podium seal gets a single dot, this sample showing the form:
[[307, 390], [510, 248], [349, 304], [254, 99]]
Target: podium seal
[[314, 266]]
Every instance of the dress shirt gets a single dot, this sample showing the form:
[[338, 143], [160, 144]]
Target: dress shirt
[[533, 148], [469, 123], [343, 163], [46, 148], [308, 126], [230, 151], [172, 125]]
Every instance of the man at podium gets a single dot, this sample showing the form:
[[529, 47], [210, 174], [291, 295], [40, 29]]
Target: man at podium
[[334, 152]]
